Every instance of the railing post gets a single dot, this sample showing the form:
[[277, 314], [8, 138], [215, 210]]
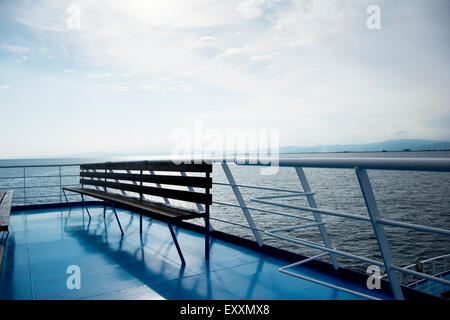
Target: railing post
[[242, 203], [60, 185], [207, 224], [141, 197], [369, 199], [317, 216], [24, 186]]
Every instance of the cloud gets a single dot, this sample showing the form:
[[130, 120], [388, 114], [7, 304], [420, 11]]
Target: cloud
[[121, 88], [130, 74], [166, 84], [100, 75], [249, 9], [252, 9], [21, 59], [14, 49], [233, 52], [205, 42], [264, 57]]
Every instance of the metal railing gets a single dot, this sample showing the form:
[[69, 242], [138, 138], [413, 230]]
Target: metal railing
[[437, 266], [22, 179], [359, 165]]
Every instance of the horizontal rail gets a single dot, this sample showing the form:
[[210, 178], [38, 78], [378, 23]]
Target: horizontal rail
[[47, 186], [284, 196], [296, 227], [361, 218], [326, 284], [283, 269], [322, 211], [262, 188], [235, 224], [40, 197], [414, 164], [263, 211], [430, 259], [303, 261], [421, 275], [414, 227], [52, 176], [41, 165], [320, 247], [423, 262]]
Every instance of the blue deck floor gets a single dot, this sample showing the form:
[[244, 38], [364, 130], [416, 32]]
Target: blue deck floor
[[43, 243]]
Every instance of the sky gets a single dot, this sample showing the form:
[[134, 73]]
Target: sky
[[123, 76]]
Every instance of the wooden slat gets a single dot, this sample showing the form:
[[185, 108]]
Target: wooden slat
[[196, 182], [159, 192], [149, 165], [154, 210], [5, 209]]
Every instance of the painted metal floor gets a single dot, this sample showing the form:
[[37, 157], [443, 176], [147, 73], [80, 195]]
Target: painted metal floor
[[43, 243]]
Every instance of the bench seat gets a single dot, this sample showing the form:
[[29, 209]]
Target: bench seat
[[151, 209], [149, 178]]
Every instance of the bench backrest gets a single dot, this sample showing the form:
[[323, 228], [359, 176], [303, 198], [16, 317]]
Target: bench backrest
[[133, 175]]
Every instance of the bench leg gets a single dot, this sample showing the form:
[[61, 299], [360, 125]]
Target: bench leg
[[67, 201], [207, 232], [176, 243], [64, 192], [84, 205], [140, 223], [117, 218], [104, 209]]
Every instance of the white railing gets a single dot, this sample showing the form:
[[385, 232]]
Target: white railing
[[438, 267], [27, 180], [360, 165]]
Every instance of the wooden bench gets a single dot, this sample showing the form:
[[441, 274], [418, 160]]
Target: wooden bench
[[5, 210], [104, 181]]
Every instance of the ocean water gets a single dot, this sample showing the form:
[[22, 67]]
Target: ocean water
[[414, 197]]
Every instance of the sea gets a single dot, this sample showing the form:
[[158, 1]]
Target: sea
[[414, 197]]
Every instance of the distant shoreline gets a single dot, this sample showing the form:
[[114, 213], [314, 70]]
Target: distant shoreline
[[382, 151]]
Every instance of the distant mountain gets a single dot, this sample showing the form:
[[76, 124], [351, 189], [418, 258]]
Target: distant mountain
[[389, 145]]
